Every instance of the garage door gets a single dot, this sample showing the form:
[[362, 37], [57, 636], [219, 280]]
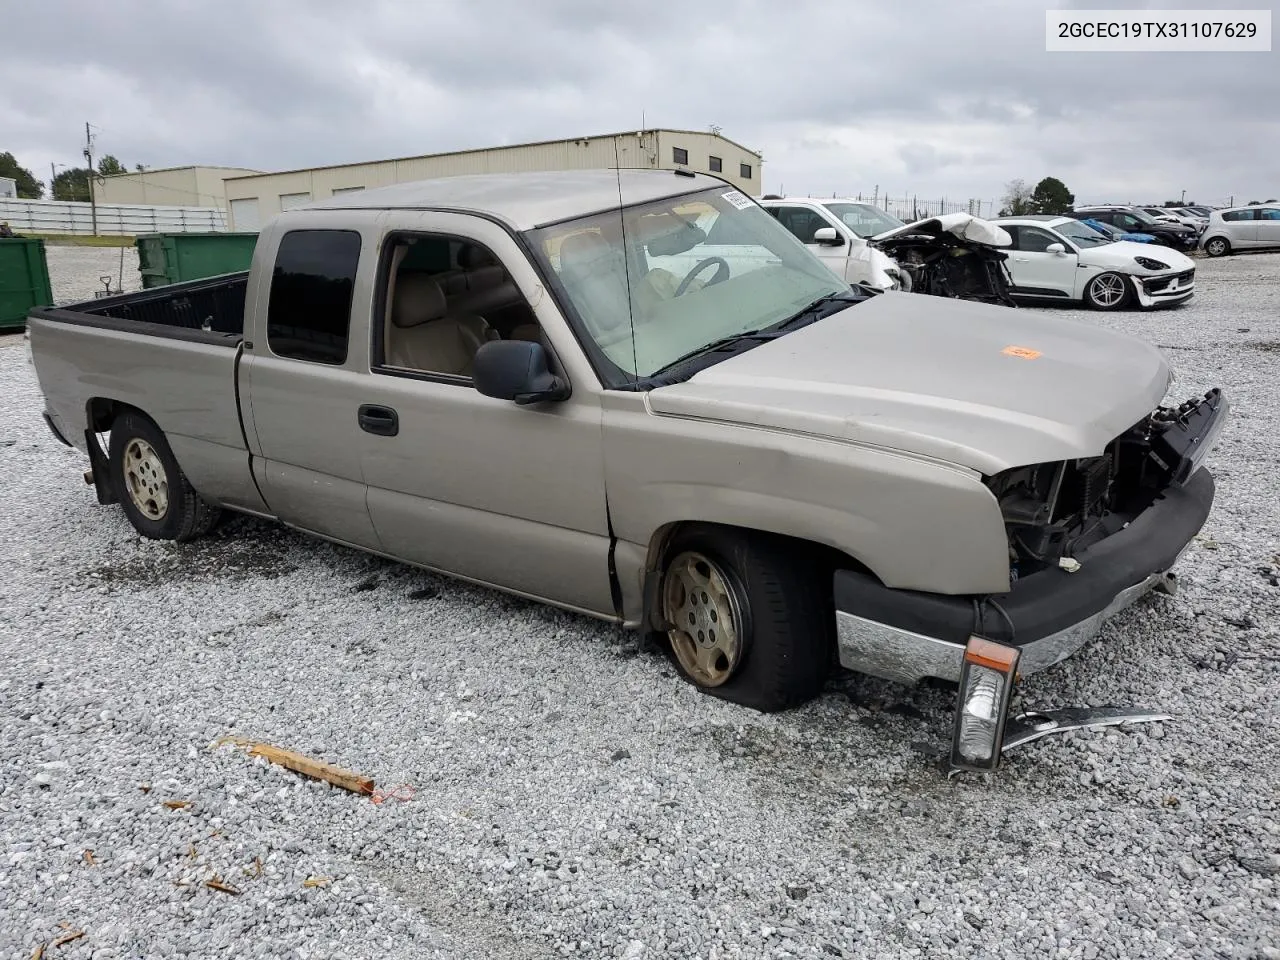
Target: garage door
[[290, 201], [244, 215]]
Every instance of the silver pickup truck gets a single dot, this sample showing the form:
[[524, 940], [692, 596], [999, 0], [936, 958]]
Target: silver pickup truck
[[637, 396]]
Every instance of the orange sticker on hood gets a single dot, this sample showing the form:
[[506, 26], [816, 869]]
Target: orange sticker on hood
[[1026, 353]]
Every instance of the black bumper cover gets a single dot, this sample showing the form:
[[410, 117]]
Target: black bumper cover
[[1047, 602]]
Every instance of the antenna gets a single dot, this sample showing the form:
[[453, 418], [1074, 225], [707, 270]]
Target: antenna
[[626, 261]]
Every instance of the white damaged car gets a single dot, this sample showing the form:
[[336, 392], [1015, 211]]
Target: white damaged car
[[1060, 258]]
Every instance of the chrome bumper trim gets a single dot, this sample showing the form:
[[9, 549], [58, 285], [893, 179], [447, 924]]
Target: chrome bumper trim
[[895, 654]]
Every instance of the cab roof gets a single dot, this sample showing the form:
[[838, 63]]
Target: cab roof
[[525, 201]]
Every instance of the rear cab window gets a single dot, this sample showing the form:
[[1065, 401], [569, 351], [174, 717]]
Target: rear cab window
[[309, 311]]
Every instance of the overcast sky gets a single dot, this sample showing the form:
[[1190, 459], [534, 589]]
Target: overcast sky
[[935, 98]]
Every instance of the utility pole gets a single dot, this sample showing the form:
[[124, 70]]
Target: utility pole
[[88, 155], [1184, 196]]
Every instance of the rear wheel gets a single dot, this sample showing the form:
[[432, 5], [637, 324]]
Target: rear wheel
[[152, 489], [748, 617], [1107, 291], [1217, 247]]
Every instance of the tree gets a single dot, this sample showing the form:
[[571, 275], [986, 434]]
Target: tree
[[29, 188], [1017, 199], [72, 184], [1052, 196], [109, 166]]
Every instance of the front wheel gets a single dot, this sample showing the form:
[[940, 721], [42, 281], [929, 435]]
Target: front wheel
[[151, 487], [1107, 291], [748, 617]]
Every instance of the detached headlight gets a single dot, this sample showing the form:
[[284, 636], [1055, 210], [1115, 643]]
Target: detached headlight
[[1150, 264], [986, 686]]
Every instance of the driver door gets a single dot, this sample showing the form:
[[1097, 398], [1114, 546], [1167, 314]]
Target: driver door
[[803, 223], [483, 489], [1036, 271]]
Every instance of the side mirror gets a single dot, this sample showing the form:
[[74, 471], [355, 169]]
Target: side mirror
[[827, 237], [1055, 248], [516, 370]]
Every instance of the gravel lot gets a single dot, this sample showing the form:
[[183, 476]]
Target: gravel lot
[[573, 796], [76, 272]]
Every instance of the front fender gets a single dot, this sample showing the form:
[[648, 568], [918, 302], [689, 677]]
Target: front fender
[[915, 523]]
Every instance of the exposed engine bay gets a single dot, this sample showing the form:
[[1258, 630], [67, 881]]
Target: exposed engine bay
[[1052, 511], [955, 255]]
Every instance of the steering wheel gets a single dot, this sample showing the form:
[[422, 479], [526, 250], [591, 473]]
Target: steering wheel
[[722, 273]]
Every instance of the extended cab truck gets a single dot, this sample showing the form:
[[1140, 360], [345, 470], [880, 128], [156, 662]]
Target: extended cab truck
[[501, 378]]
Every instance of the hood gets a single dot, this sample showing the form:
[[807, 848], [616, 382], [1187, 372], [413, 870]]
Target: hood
[[977, 385], [1123, 252], [962, 225]]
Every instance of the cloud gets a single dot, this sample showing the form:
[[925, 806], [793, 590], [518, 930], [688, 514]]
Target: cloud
[[932, 98]]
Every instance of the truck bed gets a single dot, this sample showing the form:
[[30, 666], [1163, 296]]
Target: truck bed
[[210, 310], [172, 353]]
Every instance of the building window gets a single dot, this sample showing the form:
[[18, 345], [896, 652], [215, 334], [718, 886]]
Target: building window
[[309, 311], [680, 155], [338, 190], [744, 171], [716, 164]]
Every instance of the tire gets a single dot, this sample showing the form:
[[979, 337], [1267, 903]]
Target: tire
[[1217, 247], [151, 487], [777, 651], [1107, 291]]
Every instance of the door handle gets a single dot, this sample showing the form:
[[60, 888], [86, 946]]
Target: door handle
[[382, 421], [1021, 260]]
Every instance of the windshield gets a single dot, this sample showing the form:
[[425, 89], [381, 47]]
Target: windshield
[[1082, 235], [1103, 228], [669, 277], [864, 219]]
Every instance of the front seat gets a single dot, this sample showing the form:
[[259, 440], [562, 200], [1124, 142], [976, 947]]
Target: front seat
[[594, 274], [424, 338]]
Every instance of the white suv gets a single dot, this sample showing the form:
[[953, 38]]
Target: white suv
[[1241, 228], [837, 231]]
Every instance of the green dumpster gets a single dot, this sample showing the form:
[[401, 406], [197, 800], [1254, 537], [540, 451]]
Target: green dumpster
[[24, 281], [165, 258]]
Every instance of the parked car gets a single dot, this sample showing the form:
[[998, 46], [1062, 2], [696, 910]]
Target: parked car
[[1115, 233], [1060, 258], [770, 469], [1191, 217], [954, 255], [836, 232], [1133, 220], [1242, 228]]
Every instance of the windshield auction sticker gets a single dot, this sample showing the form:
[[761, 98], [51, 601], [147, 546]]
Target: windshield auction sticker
[[739, 200], [1127, 31]]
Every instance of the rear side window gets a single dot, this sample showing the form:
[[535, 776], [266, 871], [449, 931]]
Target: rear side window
[[1235, 215], [309, 313]]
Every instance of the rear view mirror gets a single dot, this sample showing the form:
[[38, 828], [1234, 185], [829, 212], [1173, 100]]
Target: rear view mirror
[[1057, 248], [828, 237], [516, 370]]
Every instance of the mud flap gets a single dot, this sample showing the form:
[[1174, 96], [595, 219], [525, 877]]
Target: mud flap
[[100, 469]]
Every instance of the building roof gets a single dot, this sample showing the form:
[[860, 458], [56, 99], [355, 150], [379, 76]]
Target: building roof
[[190, 166], [525, 200], [508, 146]]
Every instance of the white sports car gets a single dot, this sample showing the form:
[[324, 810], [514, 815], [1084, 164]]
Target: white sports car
[[1059, 258]]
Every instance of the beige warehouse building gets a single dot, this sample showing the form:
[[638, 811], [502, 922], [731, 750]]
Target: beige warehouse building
[[252, 200], [169, 187]]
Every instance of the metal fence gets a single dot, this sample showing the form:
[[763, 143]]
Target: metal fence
[[61, 216], [914, 207]]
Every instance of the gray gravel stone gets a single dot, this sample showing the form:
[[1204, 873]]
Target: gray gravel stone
[[524, 838]]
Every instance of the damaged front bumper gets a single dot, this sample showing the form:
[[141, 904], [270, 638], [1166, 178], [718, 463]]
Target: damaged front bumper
[[1164, 291], [905, 635]]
